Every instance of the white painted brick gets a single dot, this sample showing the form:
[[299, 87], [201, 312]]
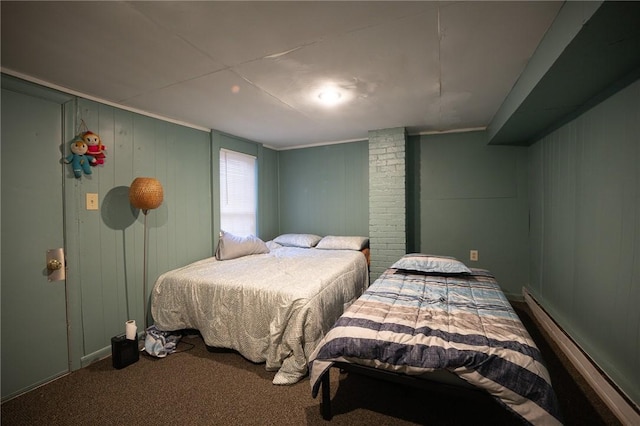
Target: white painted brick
[[387, 187]]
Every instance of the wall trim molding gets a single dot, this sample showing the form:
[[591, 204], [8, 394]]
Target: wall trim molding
[[78, 94], [621, 406]]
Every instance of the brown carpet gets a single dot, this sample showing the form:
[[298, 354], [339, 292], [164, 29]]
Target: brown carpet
[[198, 387]]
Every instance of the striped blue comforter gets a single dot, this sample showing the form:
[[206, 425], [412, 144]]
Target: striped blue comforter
[[415, 323]]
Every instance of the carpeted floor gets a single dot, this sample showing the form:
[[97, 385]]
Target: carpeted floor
[[198, 387]]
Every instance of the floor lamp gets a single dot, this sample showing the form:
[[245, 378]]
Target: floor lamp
[[145, 194]]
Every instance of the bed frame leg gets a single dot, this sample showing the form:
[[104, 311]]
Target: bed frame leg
[[325, 405]]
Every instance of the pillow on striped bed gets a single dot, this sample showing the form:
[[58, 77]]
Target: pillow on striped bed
[[431, 264]]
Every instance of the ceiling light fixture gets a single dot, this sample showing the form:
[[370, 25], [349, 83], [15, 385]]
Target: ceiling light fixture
[[330, 96]]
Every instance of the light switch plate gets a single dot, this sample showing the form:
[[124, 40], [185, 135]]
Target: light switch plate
[[92, 201]]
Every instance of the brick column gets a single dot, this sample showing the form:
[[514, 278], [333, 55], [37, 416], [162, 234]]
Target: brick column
[[387, 198]]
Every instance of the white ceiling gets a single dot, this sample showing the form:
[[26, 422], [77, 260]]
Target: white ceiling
[[253, 69]]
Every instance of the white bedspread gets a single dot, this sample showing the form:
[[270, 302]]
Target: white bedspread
[[273, 308]]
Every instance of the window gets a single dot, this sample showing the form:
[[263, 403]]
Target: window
[[238, 193]]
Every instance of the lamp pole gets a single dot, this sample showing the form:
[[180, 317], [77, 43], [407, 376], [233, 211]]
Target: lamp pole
[[145, 194], [144, 271]]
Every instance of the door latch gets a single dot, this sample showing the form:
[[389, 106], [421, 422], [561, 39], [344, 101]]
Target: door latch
[[55, 265]]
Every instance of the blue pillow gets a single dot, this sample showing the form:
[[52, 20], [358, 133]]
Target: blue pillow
[[431, 264]]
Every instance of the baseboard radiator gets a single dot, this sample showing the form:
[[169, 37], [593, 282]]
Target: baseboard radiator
[[619, 404]]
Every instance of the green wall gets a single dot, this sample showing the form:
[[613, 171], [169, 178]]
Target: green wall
[[325, 190], [472, 196], [585, 232], [105, 247], [268, 194], [462, 195]]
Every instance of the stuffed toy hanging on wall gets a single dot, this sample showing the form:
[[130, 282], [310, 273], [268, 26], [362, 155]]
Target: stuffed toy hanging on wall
[[80, 162], [94, 147]]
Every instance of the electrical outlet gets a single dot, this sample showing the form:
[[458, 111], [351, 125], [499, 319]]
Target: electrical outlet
[[92, 201], [473, 255]]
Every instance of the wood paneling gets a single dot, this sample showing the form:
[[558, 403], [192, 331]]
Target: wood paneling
[[585, 204], [474, 197], [325, 190], [106, 246]]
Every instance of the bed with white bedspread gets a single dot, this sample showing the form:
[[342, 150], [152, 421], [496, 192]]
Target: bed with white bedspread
[[271, 307]]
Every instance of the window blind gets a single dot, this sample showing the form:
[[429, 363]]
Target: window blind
[[238, 193]]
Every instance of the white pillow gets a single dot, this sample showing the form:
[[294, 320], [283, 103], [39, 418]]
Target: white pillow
[[298, 240], [232, 246], [272, 245], [333, 242]]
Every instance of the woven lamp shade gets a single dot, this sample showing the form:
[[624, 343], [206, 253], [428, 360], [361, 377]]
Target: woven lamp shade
[[145, 193]]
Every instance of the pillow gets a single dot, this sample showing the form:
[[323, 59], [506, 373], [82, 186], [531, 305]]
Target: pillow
[[232, 246], [431, 264], [272, 245], [298, 240], [332, 242]]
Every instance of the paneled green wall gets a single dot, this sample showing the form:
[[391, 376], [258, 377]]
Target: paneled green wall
[[462, 195], [324, 190], [105, 247], [268, 194], [473, 196], [585, 229]]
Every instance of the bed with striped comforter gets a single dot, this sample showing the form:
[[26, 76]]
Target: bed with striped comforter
[[414, 323]]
